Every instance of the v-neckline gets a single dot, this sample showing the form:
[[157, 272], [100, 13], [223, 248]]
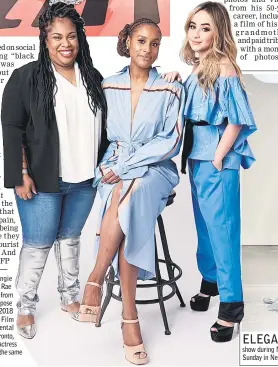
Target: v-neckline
[[148, 84], [76, 73], [138, 101]]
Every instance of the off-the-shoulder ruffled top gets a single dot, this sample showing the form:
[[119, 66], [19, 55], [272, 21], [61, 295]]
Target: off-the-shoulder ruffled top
[[228, 104]]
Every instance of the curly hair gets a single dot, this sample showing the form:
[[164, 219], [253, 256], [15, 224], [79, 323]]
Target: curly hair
[[128, 30], [91, 77]]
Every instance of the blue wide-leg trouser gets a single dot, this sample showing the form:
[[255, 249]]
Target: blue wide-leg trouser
[[216, 204]]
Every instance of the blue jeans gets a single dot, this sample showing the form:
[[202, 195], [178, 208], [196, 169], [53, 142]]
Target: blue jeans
[[50, 216]]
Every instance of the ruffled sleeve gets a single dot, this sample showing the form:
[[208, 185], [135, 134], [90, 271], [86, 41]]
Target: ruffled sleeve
[[235, 108]]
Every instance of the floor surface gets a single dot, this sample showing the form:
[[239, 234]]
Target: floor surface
[[260, 279]]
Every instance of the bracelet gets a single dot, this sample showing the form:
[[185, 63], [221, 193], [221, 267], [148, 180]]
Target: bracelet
[[25, 171]]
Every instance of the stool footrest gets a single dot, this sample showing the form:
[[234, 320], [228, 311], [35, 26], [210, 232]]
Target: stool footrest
[[150, 301], [156, 283]]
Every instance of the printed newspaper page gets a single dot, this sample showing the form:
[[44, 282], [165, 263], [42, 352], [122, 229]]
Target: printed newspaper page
[[104, 103]]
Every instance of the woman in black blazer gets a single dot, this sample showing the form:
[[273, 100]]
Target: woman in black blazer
[[48, 108]]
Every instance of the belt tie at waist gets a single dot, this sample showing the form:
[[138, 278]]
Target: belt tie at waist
[[130, 147], [188, 141]]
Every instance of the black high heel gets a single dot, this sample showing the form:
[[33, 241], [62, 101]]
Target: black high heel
[[222, 334], [200, 303]]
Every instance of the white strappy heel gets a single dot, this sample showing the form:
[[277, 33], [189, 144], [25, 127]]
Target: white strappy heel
[[131, 351], [90, 313]]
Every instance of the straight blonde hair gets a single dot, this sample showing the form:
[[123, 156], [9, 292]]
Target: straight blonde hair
[[223, 46]]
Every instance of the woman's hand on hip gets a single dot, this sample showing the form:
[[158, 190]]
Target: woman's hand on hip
[[27, 190], [110, 178]]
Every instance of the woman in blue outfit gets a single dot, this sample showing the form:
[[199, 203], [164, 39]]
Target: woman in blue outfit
[[218, 121], [135, 176]]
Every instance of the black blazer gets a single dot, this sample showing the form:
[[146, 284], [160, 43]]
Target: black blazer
[[24, 124]]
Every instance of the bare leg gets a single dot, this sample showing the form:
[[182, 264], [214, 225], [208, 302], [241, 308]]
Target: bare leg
[[111, 237], [223, 323], [128, 279], [200, 294]]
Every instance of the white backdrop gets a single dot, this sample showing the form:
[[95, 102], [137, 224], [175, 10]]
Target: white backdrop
[[258, 185]]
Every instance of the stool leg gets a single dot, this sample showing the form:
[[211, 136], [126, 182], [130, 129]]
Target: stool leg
[[168, 257], [182, 304], [108, 296], [160, 292]]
